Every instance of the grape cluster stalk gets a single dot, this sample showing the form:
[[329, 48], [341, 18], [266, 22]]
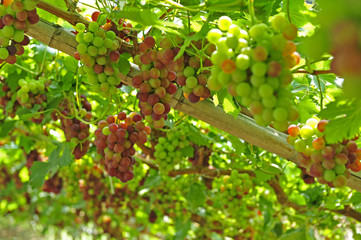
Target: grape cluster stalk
[[75, 130]]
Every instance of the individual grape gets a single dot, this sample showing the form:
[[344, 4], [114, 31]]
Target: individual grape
[[224, 23]]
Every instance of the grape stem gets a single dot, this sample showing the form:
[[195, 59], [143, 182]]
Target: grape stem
[[288, 11], [251, 11], [314, 72]]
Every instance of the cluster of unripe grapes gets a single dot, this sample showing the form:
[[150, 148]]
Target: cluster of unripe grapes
[[155, 82], [168, 151], [15, 19], [254, 65], [232, 189], [193, 82], [52, 185], [116, 28], [75, 130], [33, 92], [329, 163], [98, 52], [115, 139]]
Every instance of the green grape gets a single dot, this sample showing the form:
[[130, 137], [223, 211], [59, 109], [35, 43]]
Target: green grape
[[239, 76], [259, 69], [218, 58], [214, 35], [258, 31], [92, 79], [98, 42], [92, 51], [232, 41], [189, 71], [224, 78], [3, 53], [329, 175], [82, 48], [242, 62], [257, 81], [111, 35], [18, 35], [224, 23], [88, 37], [306, 131], [265, 90], [7, 31], [280, 114], [191, 82], [243, 89], [93, 26], [269, 102], [80, 27]]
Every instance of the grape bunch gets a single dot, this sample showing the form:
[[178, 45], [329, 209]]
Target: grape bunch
[[329, 163], [7, 99], [15, 19], [168, 151], [116, 28], [98, 52], [194, 84], [254, 65], [33, 92], [115, 139], [155, 82], [75, 130], [233, 188]]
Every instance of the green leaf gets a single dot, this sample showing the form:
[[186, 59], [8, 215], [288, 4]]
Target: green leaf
[[198, 138], [6, 127], [182, 227], [39, 170], [331, 202], [262, 176], [25, 143], [271, 168], [25, 113], [298, 234], [71, 64], [307, 109], [237, 144], [196, 195], [61, 156], [188, 151], [13, 78], [124, 65], [345, 113], [229, 106], [68, 81]]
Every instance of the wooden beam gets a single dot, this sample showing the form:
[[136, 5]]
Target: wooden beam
[[242, 127]]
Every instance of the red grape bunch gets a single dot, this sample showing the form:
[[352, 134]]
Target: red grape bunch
[[189, 77], [9, 107], [115, 139], [98, 52], [155, 82], [75, 130], [329, 163], [15, 19], [121, 29], [254, 65]]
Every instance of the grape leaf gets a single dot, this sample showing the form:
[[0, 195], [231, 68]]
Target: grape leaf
[[196, 195], [345, 113], [124, 65], [6, 127], [307, 109], [298, 234], [25, 143], [229, 106], [13, 78], [39, 170], [188, 151], [182, 227], [237, 144], [199, 138], [59, 157]]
